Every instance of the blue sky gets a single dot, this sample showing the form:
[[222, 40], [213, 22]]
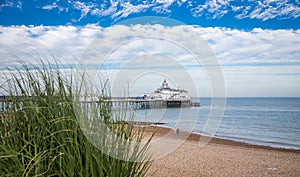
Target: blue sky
[[242, 14], [256, 43]]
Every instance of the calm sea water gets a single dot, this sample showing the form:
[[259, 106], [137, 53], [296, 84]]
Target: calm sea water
[[264, 121]]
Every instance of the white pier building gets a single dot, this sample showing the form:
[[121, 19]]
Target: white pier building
[[167, 93]]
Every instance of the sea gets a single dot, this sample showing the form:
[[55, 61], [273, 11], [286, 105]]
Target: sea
[[273, 122]]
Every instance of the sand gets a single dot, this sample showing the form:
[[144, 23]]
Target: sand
[[224, 158]]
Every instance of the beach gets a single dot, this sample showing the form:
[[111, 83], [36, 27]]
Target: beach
[[222, 157]]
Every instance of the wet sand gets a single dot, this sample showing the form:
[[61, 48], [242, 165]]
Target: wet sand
[[223, 158]]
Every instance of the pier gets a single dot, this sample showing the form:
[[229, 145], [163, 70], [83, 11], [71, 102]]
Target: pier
[[142, 103], [132, 102], [163, 97]]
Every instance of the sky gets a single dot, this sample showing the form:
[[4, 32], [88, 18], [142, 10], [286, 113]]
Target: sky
[[255, 43]]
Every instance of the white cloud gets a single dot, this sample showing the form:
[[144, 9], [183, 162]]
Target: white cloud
[[64, 42], [83, 7], [6, 4], [216, 7], [50, 7], [163, 6], [54, 5], [255, 63], [11, 3], [19, 4], [116, 9], [128, 9], [264, 10], [267, 10], [253, 47]]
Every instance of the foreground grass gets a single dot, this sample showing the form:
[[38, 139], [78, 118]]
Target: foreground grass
[[40, 134]]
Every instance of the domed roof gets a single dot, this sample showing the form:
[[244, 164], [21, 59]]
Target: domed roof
[[165, 84]]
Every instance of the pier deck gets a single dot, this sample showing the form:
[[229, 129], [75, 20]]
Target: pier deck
[[140, 103], [133, 102]]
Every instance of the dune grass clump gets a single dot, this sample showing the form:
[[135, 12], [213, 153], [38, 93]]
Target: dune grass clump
[[40, 134]]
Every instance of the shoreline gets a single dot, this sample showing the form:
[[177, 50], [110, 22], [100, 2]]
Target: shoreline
[[221, 157], [216, 140]]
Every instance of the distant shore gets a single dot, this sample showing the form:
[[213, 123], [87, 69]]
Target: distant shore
[[221, 157]]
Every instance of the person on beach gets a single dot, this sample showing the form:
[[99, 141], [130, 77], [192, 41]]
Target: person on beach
[[176, 130]]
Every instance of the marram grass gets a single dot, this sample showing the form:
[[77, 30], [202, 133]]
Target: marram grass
[[40, 134]]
